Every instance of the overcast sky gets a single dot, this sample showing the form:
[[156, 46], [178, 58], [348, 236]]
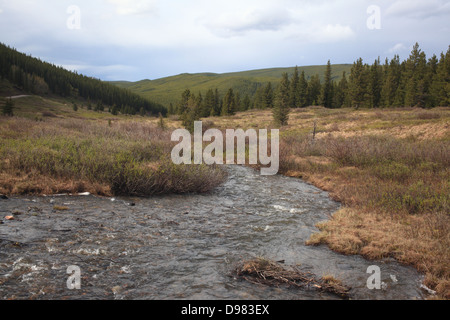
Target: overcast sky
[[149, 39]]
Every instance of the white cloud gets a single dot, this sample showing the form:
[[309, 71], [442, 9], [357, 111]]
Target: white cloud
[[334, 33], [240, 23], [330, 33], [418, 8], [399, 47], [132, 7]]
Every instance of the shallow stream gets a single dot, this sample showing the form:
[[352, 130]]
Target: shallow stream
[[180, 246]]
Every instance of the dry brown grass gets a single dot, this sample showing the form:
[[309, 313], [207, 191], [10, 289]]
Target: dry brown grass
[[420, 241]]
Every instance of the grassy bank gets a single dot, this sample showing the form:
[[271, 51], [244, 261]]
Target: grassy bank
[[105, 157], [389, 168]]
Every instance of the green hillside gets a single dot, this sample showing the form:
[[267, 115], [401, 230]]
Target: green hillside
[[168, 90]]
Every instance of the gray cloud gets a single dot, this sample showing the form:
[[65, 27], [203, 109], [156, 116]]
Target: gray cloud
[[240, 23], [419, 9]]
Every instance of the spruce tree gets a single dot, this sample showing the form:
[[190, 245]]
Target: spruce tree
[[258, 100], [302, 91], [391, 82], [268, 97], [246, 103], [416, 88], [183, 104], [313, 90], [229, 104], [294, 91], [375, 84], [281, 108], [114, 110], [327, 89], [358, 84], [208, 106], [191, 113], [8, 108], [341, 93]]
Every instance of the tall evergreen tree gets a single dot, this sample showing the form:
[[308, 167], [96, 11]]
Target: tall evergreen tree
[[375, 84], [208, 107], [268, 96], [440, 83], [281, 108], [259, 100], [313, 90], [191, 113], [341, 93], [302, 91], [391, 82], [229, 104], [358, 84], [8, 108], [246, 103], [183, 104], [294, 99], [327, 88], [416, 88]]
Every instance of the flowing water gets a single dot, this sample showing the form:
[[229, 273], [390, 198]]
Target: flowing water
[[180, 246]]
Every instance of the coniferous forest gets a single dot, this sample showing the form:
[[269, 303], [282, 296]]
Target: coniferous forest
[[416, 82], [37, 77]]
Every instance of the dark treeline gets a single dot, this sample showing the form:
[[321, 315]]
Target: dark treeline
[[37, 77], [415, 82]]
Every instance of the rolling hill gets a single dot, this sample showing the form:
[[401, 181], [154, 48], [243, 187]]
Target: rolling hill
[[168, 90]]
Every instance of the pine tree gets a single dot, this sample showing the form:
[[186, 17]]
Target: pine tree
[[391, 82], [171, 109], [191, 113], [440, 84], [416, 88], [313, 90], [375, 84], [8, 108], [341, 92], [358, 84], [238, 102], [327, 89], [246, 103], [114, 110], [294, 91], [229, 104], [258, 100], [281, 108], [183, 104], [302, 91], [268, 97], [208, 104], [218, 102], [161, 123]]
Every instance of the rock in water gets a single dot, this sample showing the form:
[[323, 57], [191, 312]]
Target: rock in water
[[3, 197]]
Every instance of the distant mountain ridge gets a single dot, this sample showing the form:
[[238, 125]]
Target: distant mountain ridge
[[169, 89]]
